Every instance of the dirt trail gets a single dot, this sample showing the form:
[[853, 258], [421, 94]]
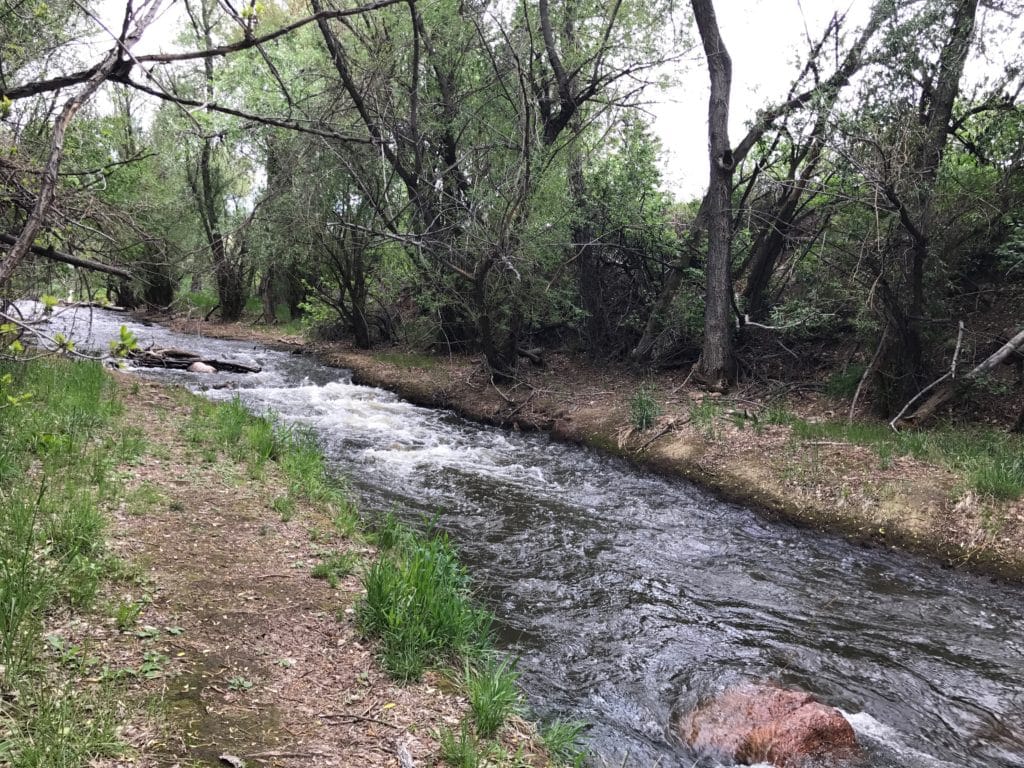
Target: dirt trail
[[246, 647]]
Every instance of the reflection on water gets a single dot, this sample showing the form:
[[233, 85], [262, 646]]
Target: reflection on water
[[628, 596]]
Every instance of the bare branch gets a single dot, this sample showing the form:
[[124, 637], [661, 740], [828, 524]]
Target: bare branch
[[54, 255]]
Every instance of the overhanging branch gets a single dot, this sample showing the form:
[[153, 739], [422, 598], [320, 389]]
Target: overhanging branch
[[65, 258]]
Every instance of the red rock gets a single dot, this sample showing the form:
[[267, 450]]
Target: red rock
[[755, 723]]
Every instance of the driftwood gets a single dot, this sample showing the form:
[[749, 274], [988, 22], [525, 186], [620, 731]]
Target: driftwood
[[93, 305], [181, 359], [947, 386]]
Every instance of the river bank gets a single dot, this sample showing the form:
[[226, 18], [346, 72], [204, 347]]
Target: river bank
[[211, 607], [931, 493]]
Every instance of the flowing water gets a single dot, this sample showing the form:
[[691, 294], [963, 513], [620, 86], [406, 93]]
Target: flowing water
[[628, 597]]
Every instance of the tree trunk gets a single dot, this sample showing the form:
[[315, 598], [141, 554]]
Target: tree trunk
[[717, 366], [358, 293], [588, 266], [159, 285]]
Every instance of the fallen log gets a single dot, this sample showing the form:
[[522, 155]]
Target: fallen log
[[92, 305], [180, 359], [947, 387]]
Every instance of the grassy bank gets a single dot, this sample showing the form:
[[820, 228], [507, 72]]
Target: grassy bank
[[61, 443], [990, 462], [104, 662]]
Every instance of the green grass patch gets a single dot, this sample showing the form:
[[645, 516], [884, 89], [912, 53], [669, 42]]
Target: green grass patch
[[257, 441], [644, 410], [58, 728], [335, 566], [991, 461], [462, 749], [561, 739], [418, 604], [493, 690], [704, 416], [60, 441]]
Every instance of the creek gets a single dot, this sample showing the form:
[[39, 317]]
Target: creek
[[628, 597]]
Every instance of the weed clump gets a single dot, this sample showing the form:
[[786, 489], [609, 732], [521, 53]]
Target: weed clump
[[493, 694], [418, 603], [644, 410]]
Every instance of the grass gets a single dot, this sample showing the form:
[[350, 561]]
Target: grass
[[126, 614], [493, 692], [59, 448], [644, 410], [704, 416], [991, 461], [460, 750], [64, 729], [561, 739], [257, 441], [335, 566], [418, 604]]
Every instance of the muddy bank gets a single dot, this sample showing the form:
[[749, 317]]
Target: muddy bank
[[729, 444]]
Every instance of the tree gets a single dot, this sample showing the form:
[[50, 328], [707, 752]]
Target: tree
[[819, 89], [717, 366]]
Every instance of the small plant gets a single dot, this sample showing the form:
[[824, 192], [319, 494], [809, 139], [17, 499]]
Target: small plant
[[153, 663], [126, 614], [125, 343], [335, 567], [346, 521], [561, 739], [459, 750], [703, 415], [493, 694], [390, 534], [285, 507], [144, 499], [643, 408], [239, 683], [775, 415], [49, 303]]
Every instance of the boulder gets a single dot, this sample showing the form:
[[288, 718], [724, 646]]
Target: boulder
[[200, 367], [764, 723]]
